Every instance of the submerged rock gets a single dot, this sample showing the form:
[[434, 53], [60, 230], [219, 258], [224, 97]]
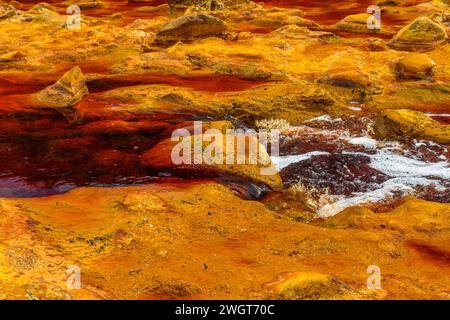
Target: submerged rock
[[191, 27], [66, 92], [401, 124], [414, 66], [421, 34]]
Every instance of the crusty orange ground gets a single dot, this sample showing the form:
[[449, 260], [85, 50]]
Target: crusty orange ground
[[199, 240]]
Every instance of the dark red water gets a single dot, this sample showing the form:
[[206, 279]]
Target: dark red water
[[42, 153]]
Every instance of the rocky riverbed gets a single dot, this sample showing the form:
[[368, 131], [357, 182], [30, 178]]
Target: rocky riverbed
[[95, 94]]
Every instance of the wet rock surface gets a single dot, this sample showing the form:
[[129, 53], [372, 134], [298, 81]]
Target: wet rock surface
[[341, 174], [421, 34], [191, 27], [87, 176], [66, 92]]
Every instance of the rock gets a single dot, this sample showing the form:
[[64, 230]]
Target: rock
[[191, 27], [143, 202], [140, 24], [212, 5], [7, 11], [416, 95], [67, 91], [373, 44], [343, 69], [163, 8], [420, 35], [140, 37], [352, 78], [247, 71], [401, 124], [441, 3], [43, 8], [355, 23], [178, 155], [414, 66], [306, 286], [351, 218], [280, 19], [12, 56], [90, 4], [294, 102]]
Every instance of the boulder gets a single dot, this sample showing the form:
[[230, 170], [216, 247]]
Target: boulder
[[414, 66], [404, 124], [178, 155], [356, 23], [420, 35], [67, 91], [191, 27], [212, 5]]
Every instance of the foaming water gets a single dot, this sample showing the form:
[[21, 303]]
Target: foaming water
[[356, 169]]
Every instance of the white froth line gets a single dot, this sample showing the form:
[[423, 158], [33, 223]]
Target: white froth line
[[395, 165], [438, 114], [324, 117], [283, 162], [402, 185], [364, 141]]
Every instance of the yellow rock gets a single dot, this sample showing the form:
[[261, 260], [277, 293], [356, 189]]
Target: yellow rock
[[357, 23], [191, 27], [244, 156], [415, 66], [12, 56], [401, 124], [66, 92], [355, 217], [305, 286], [421, 34]]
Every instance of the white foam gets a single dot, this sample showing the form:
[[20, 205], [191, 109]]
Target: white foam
[[407, 174], [396, 165], [443, 115], [364, 141], [284, 161], [387, 189]]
